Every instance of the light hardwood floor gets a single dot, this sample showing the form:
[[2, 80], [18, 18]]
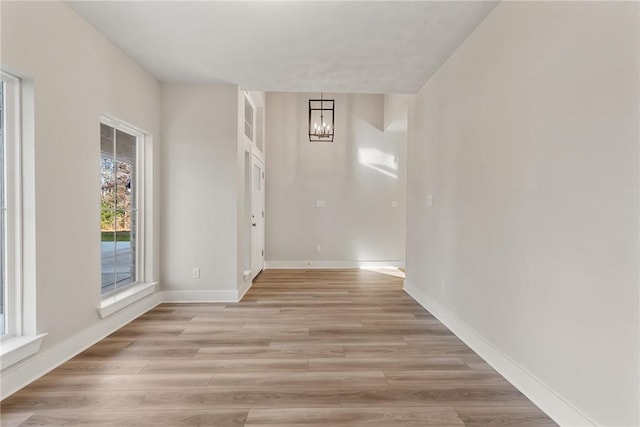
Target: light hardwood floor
[[303, 348]]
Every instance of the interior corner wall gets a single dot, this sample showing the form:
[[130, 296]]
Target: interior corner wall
[[199, 182], [395, 108], [527, 139], [358, 176], [76, 75]]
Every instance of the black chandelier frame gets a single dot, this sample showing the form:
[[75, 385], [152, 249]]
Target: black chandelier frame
[[322, 133]]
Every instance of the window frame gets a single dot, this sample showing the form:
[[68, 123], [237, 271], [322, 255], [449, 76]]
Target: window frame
[[21, 340], [248, 100], [11, 111], [140, 205]]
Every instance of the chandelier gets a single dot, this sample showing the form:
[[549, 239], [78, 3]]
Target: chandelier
[[321, 119]]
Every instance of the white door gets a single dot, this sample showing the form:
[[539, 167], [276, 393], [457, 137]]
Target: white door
[[257, 217]]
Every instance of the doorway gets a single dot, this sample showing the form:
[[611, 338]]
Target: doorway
[[257, 216]]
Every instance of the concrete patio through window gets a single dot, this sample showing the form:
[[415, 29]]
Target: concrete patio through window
[[116, 265]]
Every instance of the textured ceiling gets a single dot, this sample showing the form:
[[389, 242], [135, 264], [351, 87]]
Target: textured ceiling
[[332, 46]]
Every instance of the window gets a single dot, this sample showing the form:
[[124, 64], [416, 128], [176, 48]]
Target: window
[[248, 118], [3, 208], [10, 206], [120, 192], [18, 331]]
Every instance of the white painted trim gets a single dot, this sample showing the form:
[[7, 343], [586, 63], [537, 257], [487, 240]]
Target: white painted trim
[[22, 374], [332, 264], [244, 289], [120, 300], [200, 296], [17, 349], [539, 393], [14, 313], [141, 214]]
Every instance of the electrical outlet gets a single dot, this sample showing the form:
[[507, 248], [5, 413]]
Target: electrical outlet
[[196, 273], [429, 200], [321, 203], [318, 248], [394, 204]]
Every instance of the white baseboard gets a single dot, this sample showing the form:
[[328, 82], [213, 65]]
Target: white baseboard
[[331, 264], [199, 296], [539, 393], [23, 373], [244, 289]]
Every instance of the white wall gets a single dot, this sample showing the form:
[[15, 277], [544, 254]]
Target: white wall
[[358, 175], [396, 107], [527, 138], [200, 195], [76, 75]]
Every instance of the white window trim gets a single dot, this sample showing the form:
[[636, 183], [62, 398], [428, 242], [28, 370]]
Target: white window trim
[[116, 300], [258, 123], [16, 344], [248, 98], [13, 173], [17, 349], [127, 296]]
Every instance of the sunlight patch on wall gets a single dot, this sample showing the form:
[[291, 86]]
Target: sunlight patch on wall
[[373, 158]]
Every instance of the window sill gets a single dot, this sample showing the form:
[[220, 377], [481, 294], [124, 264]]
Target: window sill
[[17, 349], [120, 300]]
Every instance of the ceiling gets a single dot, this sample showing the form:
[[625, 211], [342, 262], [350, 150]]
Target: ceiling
[[301, 46]]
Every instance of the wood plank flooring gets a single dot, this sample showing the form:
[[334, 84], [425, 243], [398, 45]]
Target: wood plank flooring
[[303, 348]]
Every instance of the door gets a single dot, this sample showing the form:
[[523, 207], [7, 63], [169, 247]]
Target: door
[[257, 217]]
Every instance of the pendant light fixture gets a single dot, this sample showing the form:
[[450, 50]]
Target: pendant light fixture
[[321, 119]]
